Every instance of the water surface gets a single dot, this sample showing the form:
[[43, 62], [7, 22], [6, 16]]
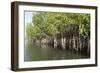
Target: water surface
[[36, 53]]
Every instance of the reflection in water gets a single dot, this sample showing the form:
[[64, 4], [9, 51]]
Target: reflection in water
[[45, 52]]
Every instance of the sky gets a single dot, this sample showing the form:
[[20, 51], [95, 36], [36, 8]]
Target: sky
[[28, 17]]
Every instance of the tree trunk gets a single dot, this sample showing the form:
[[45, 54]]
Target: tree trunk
[[88, 50], [63, 43], [55, 42], [40, 42], [74, 43]]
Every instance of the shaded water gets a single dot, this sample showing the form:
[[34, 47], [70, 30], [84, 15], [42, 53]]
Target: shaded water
[[35, 53]]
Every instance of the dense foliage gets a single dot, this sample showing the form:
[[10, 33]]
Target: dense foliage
[[72, 27]]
